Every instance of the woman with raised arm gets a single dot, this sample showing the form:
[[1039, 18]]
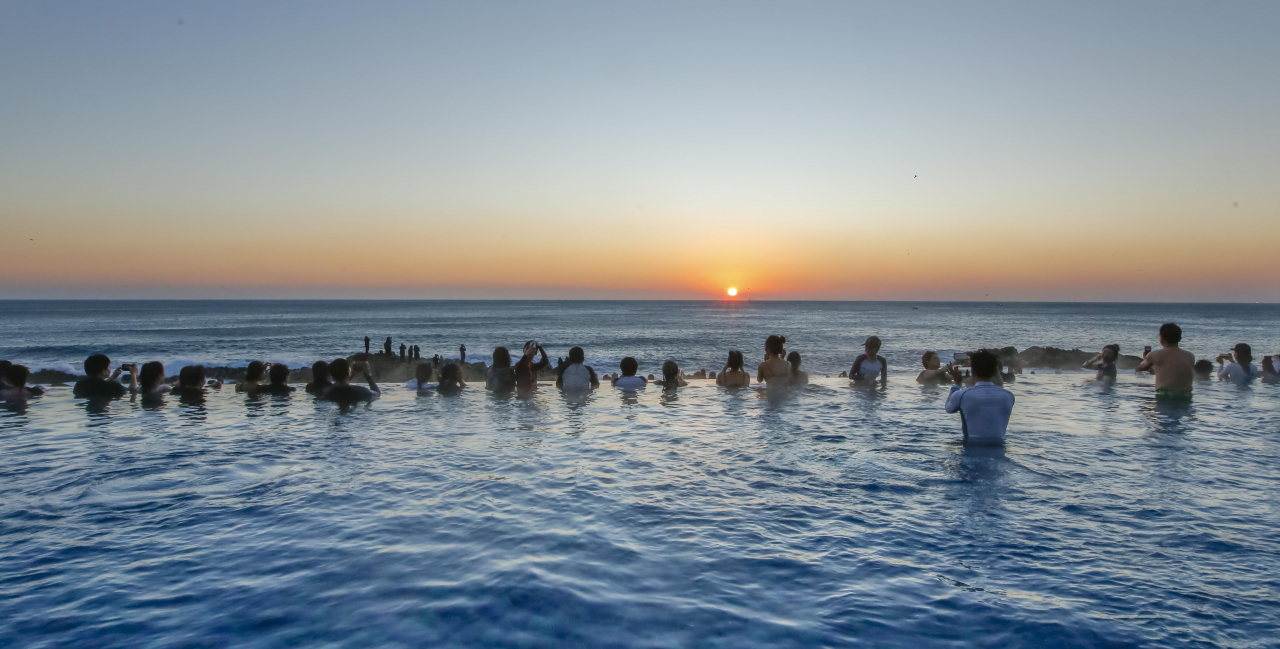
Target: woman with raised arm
[[733, 376], [775, 371]]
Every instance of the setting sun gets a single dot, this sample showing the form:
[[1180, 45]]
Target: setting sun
[[733, 292]]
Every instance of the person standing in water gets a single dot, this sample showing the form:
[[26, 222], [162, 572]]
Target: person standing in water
[[867, 366], [798, 376], [933, 370], [97, 385], [1174, 367], [151, 380], [527, 370], [672, 377], [732, 375], [342, 391], [774, 371], [985, 407], [629, 380], [320, 377], [15, 388], [1105, 363], [1238, 369], [500, 377], [576, 376]]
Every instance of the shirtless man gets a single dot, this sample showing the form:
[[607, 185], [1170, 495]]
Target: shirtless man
[[1173, 367]]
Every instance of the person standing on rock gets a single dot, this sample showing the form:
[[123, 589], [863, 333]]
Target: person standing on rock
[[386, 347], [1174, 367], [403, 358], [462, 353], [366, 346]]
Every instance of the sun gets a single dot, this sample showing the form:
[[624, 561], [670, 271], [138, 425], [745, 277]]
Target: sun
[[732, 291]]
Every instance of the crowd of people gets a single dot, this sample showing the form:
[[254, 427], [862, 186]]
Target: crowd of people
[[977, 393]]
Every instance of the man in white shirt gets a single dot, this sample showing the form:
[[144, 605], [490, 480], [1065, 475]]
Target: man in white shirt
[[985, 407]]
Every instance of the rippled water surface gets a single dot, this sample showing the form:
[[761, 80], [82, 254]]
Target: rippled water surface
[[701, 518]]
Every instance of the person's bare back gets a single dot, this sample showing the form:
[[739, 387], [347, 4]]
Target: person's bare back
[[1174, 368]]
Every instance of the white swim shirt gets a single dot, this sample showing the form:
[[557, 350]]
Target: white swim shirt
[[984, 410], [576, 378], [1234, 372], [630, 383]]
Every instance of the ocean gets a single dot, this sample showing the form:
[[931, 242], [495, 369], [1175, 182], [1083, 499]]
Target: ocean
[[703, 517]]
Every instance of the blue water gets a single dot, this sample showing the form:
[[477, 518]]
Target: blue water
[[707, 518]]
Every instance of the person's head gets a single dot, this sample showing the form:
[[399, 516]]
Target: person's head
[[151, 374], [97, 365], [1203, 369], [339, 370], [735, 360], [530, 348], [629, 366], [1244, 354], [670, 371], [423, 373], [254, 372], [872, 346], [16, 375], [1170, 334], [501, 357], [450, 374], [1110, 353], [930, 360], [985, 364], [576, 355], [191, 377], [775, 345], [794, 359], [279, 374], [319, 371]]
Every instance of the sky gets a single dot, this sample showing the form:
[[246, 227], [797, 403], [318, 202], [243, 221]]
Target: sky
[[1074, 151]]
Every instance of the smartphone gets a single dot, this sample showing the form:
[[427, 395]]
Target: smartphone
[[1146, 350]]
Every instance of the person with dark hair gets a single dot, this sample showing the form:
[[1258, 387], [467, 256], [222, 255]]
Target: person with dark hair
[[319, 378], [421, 378], [191, 380], [672, 377], [4, 368], [985, 407], [366, 347], [867, 366], [732, 375], [933, 370], [403, 350], [151, 380], [279, 385], [253, 376], [629, 380], [1238, 369], [774, 371], [386, 346], [1174, 367], [342, 391], [15, 388], [1203, 370], [500, 377], [450, 379], [1105, 363], [417, 353], [576, 376], [798, 376], [96, 384], [526, 370]]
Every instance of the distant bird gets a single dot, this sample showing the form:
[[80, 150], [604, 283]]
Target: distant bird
[[915, 176]]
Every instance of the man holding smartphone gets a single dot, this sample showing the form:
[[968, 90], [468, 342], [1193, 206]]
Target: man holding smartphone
[[1174, 367]]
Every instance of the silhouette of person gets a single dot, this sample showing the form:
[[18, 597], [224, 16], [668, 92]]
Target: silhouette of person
[[366, 345], [386, 347], [402, 356], [462, 351]]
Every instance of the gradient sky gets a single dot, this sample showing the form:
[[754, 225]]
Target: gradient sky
[[812, 150]]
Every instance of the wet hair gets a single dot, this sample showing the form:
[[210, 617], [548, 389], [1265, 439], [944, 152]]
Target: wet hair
[[773, 344], [450, 373], [4, 367], [17, 375], [423, 373], [96, 364], [255, 371], [150, 374], [1115, 349], [985, 364], [873, 341], [735, 360], [1171, 333], [501, 357], [279, 374], [191, 376], [340, 369], [1203, 366], [670, 371], [629, 366], [319, 371], [924, 358], [794, 359], [576, 355], [1244, 353]]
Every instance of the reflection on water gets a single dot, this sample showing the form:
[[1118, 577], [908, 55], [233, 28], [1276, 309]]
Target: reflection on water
[[702, 516]]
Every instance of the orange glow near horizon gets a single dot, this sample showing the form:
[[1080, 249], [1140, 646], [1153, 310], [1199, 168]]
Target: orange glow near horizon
[[732, 292]]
